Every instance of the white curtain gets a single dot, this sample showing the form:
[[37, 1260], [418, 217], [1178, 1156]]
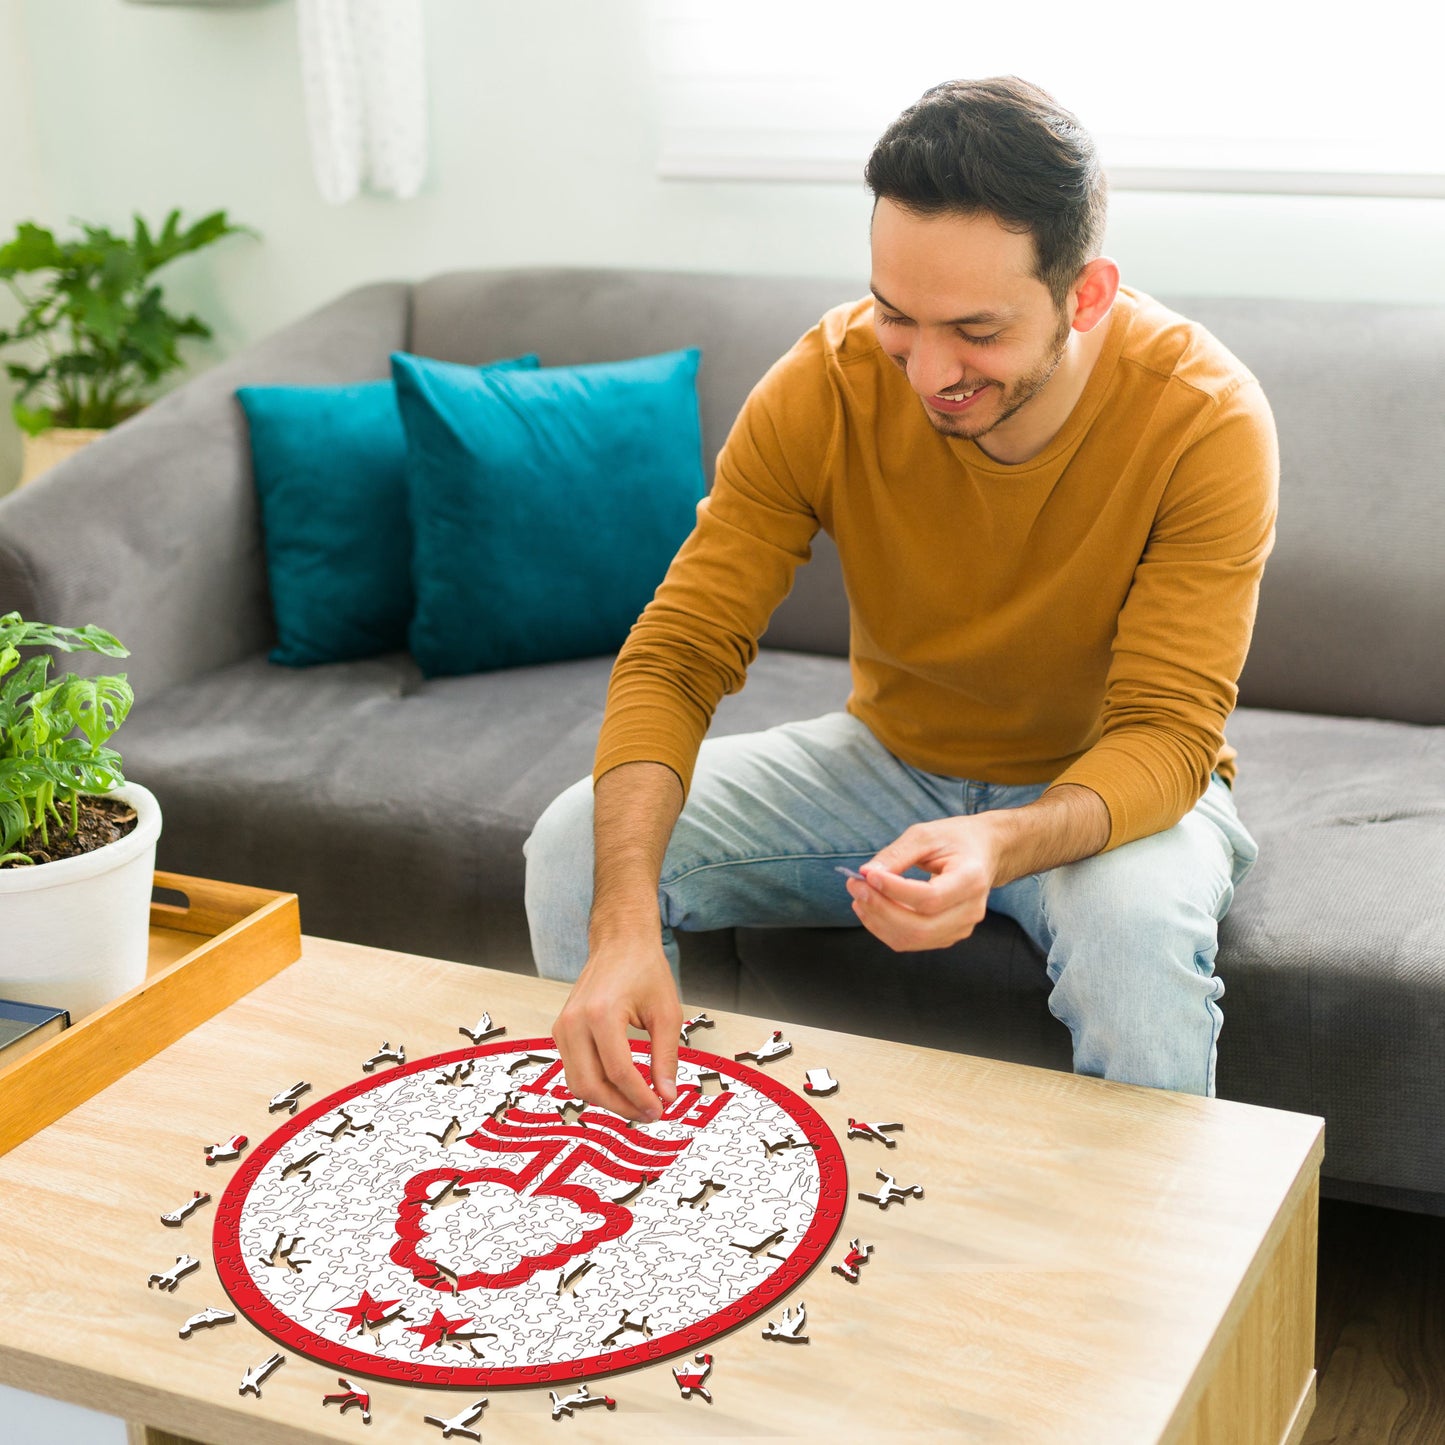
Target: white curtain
[[363, 71]]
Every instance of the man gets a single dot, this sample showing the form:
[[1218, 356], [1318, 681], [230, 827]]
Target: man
[[1053, 499]]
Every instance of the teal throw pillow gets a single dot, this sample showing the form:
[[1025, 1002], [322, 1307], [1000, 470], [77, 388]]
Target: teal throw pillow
[[330, 469], [545, 505]]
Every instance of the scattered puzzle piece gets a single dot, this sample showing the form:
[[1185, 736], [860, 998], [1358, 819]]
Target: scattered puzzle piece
[[231, 1149], [205, 1320], [485, 1029], [861, 1129], [690, 1377], [359, 1398], [790, 1330], [583, 1397], [775, 1048], [698, 1021], [891, 1192], [457, 1424], [289, 1100], [253, 1377], [386, 1055], [172, 1277], [857, 1256], [177, 1215]]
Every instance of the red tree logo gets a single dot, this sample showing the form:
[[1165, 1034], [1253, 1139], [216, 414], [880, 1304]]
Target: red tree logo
[[599, 1140]]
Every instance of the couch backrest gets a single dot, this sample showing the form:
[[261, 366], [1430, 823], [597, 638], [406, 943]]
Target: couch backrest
[[1353, 601]]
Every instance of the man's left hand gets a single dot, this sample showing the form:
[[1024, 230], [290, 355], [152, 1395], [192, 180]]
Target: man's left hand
[[909, 914]]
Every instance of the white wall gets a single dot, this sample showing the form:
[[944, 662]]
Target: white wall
[[543, 117]]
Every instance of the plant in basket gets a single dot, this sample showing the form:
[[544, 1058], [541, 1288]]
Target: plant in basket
[[77, 841]]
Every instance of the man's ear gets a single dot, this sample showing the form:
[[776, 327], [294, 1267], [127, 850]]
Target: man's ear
[[1094, 292]]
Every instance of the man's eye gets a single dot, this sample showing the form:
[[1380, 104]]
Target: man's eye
[[979, 340]]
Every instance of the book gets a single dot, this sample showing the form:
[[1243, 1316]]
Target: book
[[25, 1026]]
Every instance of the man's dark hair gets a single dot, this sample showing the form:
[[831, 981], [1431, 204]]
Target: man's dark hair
[[1005, 147]]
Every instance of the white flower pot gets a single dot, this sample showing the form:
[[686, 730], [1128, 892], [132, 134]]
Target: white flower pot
[[75, 933]]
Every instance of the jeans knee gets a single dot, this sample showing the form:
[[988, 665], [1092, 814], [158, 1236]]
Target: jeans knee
[[559, 849]]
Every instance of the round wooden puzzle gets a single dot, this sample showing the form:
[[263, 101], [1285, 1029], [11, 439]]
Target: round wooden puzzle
[[464, 1220]]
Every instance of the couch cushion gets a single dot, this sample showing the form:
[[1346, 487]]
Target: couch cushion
[[330, 469], [396, 807], [546, 505]]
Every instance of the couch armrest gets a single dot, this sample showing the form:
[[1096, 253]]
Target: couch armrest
[[153, 531]]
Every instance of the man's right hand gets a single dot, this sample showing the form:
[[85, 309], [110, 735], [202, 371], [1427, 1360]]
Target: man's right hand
[[623, 984], [627, 981]]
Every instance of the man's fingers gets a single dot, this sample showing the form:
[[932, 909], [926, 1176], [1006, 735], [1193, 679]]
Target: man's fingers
[[914, 893], [586, 1078], [664, 1025], [906, 931], [614, 1050]]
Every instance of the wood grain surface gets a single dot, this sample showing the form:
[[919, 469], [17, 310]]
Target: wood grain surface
[[1090, 1261]]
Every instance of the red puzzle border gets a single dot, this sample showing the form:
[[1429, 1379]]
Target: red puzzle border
[[236, 1278]]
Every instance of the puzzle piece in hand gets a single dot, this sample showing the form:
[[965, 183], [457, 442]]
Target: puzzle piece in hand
[[397, 1230]]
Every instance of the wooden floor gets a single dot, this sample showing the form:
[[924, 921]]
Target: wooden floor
[[1380, 1333]]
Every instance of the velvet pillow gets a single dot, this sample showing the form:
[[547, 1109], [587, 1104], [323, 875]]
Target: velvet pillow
[[330, 470], [545, 505]]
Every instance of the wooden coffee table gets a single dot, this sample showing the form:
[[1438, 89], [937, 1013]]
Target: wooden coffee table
[[1090, 1261]]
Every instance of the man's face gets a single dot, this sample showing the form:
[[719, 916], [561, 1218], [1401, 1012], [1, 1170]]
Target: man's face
[[959, 309]]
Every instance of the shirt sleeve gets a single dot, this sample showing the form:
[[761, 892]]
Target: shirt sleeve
[[1186, 623], [697, 637]]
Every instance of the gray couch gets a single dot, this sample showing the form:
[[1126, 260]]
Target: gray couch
[[397, 807]]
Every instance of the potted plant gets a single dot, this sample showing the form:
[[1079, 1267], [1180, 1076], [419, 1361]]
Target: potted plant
[[106, 338], [77, 842]]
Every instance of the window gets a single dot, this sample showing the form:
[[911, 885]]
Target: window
[[1236, 95]]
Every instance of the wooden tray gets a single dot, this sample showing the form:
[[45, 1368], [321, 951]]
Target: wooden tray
[[208, 950]]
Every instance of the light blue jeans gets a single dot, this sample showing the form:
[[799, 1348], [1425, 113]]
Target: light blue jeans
[[1128, 937]]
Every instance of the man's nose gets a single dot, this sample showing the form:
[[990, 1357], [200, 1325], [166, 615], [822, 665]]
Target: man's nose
[[932, 367]]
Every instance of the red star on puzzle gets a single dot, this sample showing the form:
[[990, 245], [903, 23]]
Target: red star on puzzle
[[366, 1311], [437, 1328]]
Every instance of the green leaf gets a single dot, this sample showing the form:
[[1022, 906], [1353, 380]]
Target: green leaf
[[32, 422], [33, 249], [89, 638], [96, 705], [14, 825]]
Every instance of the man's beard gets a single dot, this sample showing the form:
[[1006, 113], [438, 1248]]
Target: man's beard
[[1016, 395]]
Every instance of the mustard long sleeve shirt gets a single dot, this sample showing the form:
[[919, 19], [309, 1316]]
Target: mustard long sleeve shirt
[[1081, 617]]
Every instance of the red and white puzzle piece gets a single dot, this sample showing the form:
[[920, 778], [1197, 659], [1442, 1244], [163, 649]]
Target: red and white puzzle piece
[[862, 1129], [352, 1397], [176, 1216], [857, 1256], [697, 1021], [231, 1149], [690, 1378], [819, 1082], [775, 1048]]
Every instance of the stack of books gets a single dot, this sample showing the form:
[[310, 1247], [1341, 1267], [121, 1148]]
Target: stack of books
[[25, 1026]]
